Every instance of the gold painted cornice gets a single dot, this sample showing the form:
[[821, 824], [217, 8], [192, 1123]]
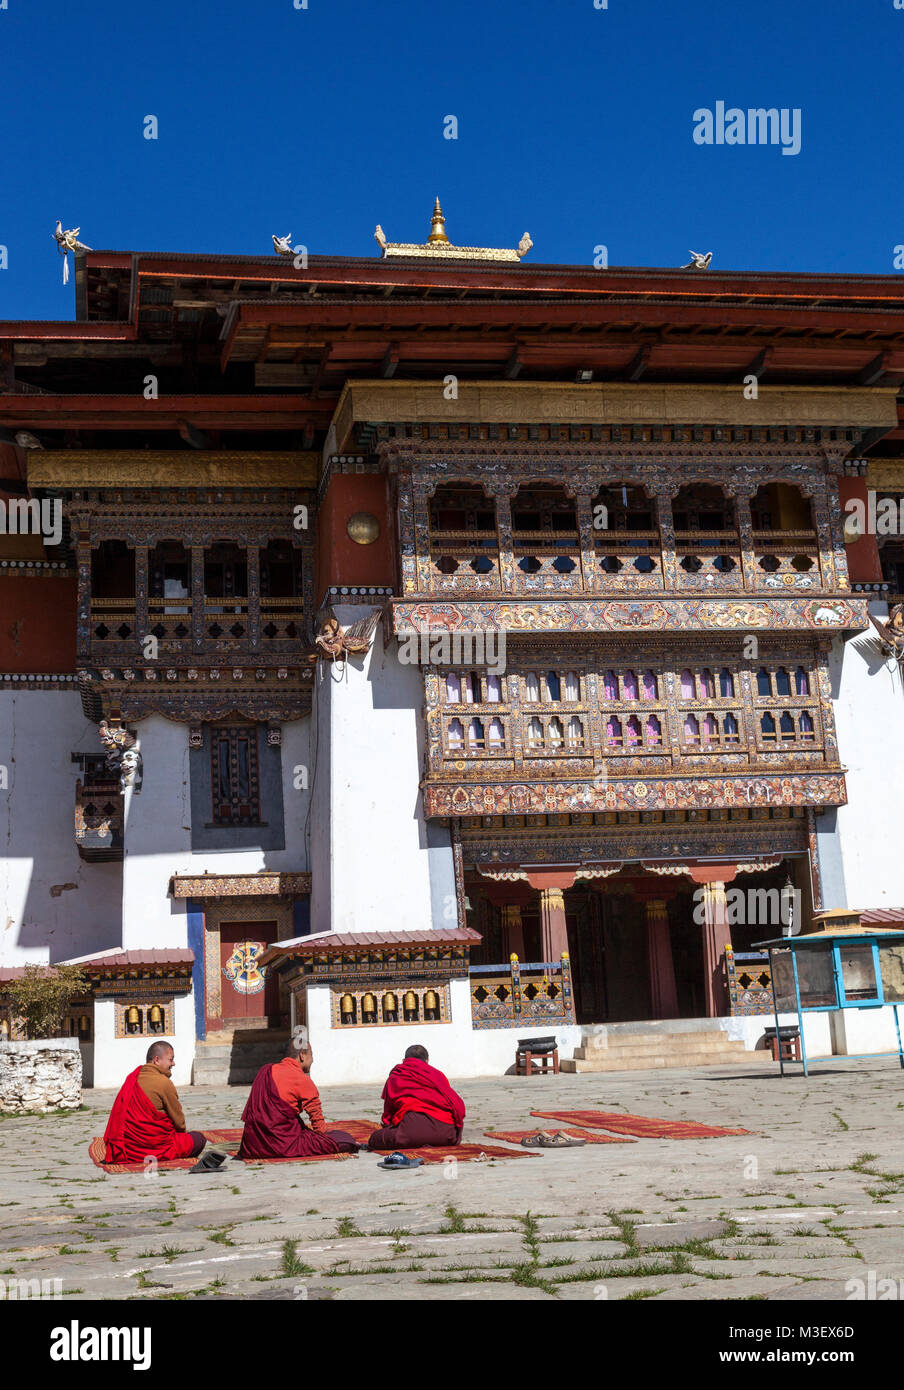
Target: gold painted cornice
[[264, 885], [885, 474], [611, 403], [77, 468]]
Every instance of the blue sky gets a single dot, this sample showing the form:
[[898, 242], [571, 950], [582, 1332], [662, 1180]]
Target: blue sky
[[574, 124]]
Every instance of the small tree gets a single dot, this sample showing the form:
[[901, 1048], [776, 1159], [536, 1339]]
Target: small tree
[[42, 996]]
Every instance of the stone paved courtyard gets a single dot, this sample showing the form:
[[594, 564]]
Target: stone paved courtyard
[[812, 1198]]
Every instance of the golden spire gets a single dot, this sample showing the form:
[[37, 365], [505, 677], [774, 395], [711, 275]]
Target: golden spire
[[438, 226]]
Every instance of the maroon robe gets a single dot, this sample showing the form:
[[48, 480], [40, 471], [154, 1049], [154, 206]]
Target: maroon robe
[[137, 1131], [273, 1128]]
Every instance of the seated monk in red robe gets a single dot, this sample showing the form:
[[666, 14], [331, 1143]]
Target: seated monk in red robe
[[273, 1126], [420, 1107], [147, 1120]]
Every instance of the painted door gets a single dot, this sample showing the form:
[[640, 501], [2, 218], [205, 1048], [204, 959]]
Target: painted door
[[243, 982]]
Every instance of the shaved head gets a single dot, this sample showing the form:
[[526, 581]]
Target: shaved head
[[158, 1050]]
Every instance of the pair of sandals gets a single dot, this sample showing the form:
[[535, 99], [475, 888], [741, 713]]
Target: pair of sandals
[[211, 1161], [400, 1160], [551, 1139]]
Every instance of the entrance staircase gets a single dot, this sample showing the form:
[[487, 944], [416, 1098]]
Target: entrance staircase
[[650, 1046], [233, 1057]]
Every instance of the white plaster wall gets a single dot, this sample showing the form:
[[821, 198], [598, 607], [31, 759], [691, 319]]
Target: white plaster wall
[[817, 1033], [158, 833], [157, 839], [370, 852], [869, 714], [859, 1031], [39, 730], [115, 1058], [359, 1054]]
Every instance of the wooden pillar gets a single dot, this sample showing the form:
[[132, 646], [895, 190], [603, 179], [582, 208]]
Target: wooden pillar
[[253, 559], [85, 629], [589, 568], [407, 542], [666, 524], [663, 991], [716, 934], [752, 575], [554, 932], [550, 884], [197, 597], [514, 930], [142, 553], [421, 504], [504, 539]]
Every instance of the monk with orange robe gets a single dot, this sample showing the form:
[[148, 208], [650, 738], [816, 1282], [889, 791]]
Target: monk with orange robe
[[420, 1109], [273, 1124], [147, 1120]]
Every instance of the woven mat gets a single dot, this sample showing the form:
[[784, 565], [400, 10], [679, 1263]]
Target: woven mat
[[514, 1136], [641, 1126], [97, 1148], [358, 1129]]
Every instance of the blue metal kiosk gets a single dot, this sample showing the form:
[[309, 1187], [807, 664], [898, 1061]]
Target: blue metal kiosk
[[840, 967]]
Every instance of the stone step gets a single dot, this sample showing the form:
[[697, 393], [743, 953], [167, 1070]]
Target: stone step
[[246, 1037], [652, 1061], [234, 1059], [594, 1047]]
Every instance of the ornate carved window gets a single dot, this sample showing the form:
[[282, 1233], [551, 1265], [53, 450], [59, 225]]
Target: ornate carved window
[[657, 713], [235, 775]]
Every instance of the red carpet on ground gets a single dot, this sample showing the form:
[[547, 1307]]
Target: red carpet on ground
[[514, 1136], [639, 1125], [97, 1148], [358, 1129]]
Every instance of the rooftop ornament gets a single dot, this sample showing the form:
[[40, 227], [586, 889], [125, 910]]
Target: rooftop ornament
[[438, 246], [700, 260], [66, 242]]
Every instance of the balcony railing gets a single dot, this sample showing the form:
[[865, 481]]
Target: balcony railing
[[786, 559], [464, 562], [519, 996], [628, 559], [226, 626], [99, 821], [542, 562], [749, 982], [709, 560], [546, 563]]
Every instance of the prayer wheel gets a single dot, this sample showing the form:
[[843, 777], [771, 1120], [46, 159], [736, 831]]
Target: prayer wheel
[[369, 1009], [390, 1008], [431, 1005], [84, 1027], [155, 1018], [4, 1029], [133, 1020], [347, 1008], [409, 1004]]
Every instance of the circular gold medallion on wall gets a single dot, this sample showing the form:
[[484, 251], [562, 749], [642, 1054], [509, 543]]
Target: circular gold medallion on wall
[[363, 528]]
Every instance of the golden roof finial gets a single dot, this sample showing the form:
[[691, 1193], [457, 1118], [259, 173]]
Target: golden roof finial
[[438, 226]]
